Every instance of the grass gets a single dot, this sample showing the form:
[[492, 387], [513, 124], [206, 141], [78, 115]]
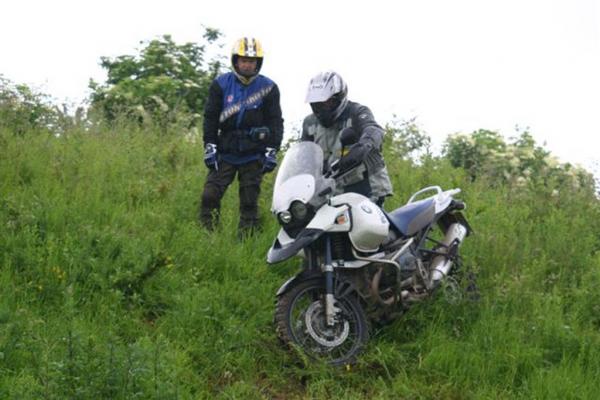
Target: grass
[[111, 290]]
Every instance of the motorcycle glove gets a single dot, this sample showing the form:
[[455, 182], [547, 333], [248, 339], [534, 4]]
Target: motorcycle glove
[[211, 156], [356, 155], [270, 160]]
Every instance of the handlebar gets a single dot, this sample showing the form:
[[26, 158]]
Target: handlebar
[[335, 172]]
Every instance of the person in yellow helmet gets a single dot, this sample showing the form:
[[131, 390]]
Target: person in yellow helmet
[[243, 129]]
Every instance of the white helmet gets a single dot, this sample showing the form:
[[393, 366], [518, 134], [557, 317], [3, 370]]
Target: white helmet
[[328, 96]]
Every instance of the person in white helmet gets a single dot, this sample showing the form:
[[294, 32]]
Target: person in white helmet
[[243, 129], [349, 136]]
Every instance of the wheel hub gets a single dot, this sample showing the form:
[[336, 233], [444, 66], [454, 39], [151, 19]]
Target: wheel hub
[[316, 326]]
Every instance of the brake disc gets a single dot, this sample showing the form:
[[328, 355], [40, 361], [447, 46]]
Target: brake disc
[[326, 336]]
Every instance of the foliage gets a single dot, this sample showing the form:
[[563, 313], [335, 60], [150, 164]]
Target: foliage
[[164, 83], [113, 291], [23, 109], [406, 139], [518, 163]]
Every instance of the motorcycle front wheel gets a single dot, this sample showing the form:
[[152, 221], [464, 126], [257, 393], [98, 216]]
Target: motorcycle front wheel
[[300, 321]]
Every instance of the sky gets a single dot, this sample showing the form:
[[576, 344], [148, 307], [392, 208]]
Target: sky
[[455, 66]]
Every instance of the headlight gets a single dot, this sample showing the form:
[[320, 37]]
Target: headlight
[[299, 210], [285, 217]]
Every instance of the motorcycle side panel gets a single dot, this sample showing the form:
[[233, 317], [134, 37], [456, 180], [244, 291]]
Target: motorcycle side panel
[[325, 219], [442, 201], [370, 227]]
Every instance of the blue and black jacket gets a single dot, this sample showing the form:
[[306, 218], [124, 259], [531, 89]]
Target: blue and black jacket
[[233, 109]]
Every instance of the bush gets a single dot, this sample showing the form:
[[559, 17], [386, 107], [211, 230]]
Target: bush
[[23, 109], [519, 163]]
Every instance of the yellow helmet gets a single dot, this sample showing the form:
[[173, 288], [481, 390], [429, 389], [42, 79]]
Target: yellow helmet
[[247, 47]]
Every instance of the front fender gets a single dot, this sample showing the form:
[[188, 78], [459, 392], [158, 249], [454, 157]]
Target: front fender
[[281, 252], [290, 283], [342, 287]]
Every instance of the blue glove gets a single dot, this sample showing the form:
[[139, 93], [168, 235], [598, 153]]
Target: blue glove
[[210, 156], [270, 160]]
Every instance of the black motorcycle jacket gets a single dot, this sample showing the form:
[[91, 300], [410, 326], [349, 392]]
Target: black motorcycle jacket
[[233, 109]]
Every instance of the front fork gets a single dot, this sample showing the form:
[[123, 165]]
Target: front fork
[[330, 310]]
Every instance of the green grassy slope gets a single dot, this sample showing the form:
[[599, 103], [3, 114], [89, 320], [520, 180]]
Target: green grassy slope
[[109, 289]]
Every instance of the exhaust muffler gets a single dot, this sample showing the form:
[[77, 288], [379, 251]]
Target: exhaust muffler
[[441, 265]]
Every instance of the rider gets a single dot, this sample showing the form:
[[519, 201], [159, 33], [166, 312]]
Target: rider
[[243, 129], [347, 133]]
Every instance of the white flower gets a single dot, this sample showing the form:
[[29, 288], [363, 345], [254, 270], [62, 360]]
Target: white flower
[[521, 181], [163, 106], [551, 161]]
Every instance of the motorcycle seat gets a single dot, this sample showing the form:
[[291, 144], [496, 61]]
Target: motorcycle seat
[[411, 218]]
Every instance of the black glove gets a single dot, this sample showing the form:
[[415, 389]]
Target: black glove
[[356, 155], [349, 136]]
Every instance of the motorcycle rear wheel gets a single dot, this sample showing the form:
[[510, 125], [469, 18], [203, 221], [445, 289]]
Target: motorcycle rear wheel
[[300, 321]]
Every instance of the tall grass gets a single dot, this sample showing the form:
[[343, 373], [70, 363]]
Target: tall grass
[[110, 289]]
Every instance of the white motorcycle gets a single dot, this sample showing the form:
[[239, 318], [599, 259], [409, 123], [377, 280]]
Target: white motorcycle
[[361, 264]]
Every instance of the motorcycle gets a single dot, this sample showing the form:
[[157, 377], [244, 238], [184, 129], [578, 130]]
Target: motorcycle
[[361, 265]]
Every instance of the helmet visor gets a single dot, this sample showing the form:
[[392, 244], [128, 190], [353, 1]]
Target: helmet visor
[[325, 107]]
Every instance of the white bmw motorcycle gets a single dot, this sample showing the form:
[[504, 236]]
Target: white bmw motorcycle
[[361, 264]]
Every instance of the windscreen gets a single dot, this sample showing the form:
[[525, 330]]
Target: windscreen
[[299, 176]]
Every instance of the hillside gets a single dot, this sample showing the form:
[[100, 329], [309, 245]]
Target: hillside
[[111, 290]]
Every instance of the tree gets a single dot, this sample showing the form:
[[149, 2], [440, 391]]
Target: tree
[[23, 109], [164, 83], [406, 138]]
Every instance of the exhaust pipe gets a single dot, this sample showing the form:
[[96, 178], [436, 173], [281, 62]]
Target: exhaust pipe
[[440, 266]]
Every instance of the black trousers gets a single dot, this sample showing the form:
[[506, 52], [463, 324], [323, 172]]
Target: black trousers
[[217, 182]]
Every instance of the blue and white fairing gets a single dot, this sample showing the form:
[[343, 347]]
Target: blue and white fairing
[[299, 178]]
